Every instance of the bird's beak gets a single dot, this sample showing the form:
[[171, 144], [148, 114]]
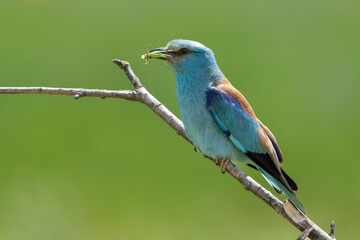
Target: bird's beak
[[159, 53]]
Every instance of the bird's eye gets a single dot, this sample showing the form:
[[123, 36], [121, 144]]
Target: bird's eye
[[184, 51]]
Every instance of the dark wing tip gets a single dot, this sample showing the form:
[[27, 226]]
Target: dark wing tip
[[291, 182], [264, 161]]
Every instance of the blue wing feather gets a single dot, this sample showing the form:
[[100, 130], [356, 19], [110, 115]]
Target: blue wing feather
[[233, 121]]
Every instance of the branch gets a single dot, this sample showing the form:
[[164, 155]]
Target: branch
[[305, 234], [76, 92], [140, 94]]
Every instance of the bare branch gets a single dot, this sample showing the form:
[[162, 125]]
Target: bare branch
[[332, 230], [140, 94], [129, 73], [305, 234], [76, 92]]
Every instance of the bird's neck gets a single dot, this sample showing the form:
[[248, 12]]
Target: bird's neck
[[191, 85], [197, 79]]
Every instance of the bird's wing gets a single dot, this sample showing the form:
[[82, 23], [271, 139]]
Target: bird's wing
[[230, 90], [234, 116]]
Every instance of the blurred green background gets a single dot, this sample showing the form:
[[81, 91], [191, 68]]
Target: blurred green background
[[111, 169]]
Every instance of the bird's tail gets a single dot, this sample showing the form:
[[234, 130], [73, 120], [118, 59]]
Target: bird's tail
[[281, 188]]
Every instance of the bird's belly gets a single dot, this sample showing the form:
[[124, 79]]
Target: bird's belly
[[202, 131]]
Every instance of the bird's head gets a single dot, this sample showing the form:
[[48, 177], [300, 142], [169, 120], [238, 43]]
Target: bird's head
[[187, 57]]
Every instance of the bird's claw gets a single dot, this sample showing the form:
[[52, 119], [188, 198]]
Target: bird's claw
[[222, 163]]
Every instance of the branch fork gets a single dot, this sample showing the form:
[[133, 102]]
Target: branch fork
[[140, 94]]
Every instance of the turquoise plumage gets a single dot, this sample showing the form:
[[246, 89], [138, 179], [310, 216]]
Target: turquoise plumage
[[218, 119]]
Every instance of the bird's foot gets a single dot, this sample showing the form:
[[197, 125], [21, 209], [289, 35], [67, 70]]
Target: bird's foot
[[222, 163]]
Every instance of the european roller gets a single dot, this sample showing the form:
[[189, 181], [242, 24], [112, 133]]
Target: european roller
[[218, 119]]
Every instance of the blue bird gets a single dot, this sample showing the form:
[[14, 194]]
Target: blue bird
[[218, 119]]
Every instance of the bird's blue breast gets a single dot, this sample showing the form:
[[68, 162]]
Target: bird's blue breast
[[199, 124]]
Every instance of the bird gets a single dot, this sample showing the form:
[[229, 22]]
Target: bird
[[218, 119]]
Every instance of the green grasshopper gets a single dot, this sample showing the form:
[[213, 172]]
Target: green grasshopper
[[156, 54], [146, 56]]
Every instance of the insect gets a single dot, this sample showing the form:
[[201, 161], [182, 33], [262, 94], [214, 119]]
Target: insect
[[146, 56], [156, 53]]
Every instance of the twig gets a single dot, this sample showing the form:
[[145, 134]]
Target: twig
[[332, 230], [140, 94], [305, 234]]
